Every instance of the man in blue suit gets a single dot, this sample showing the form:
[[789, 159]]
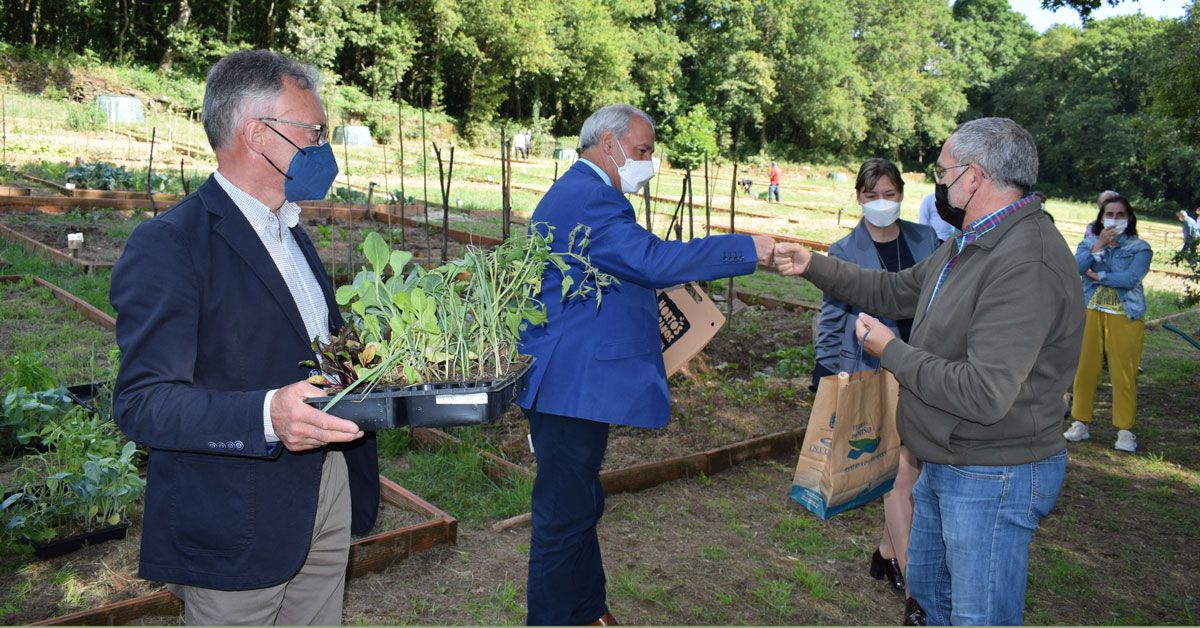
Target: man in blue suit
[[251, 494], [597, 366]]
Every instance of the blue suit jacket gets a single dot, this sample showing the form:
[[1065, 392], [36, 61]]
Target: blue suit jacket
[[606, 364], [837, 345], [206, 326]]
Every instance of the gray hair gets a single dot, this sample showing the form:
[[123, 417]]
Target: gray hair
[[1105, 195], [245, 81], [615, 118], [1004, 150]]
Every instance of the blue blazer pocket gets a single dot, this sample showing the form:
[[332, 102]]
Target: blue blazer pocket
[[212, 503], [629, 348]]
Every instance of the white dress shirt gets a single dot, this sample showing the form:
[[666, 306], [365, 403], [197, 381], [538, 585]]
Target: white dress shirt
[[274, 230]]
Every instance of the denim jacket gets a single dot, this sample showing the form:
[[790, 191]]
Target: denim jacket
[[1122, 268]]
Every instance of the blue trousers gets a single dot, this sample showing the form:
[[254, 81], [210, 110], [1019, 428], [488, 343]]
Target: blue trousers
[[566, 574], [773, 192], [968, 553]]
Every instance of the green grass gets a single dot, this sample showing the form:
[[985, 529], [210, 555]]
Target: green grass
[[452, 477], [502, 607], [714, 553], [1060, 572], [75, 350], [640, 586], [775, 596], [801, 534], [818, 585]]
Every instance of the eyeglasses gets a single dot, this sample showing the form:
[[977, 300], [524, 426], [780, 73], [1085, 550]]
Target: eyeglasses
[[321, 129], [940, 173]]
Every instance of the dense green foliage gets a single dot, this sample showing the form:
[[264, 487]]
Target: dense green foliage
[[1112, 104]]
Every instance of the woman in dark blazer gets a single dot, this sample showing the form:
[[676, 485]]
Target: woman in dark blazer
[[881, 241]]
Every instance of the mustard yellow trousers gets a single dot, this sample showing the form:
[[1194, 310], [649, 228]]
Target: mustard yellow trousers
[[1120, 339]]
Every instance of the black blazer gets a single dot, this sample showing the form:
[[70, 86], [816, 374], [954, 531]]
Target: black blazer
[[206, 326]]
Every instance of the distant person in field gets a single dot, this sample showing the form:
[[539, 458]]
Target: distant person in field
[[927, 215], [251, 493], [1191, 230], [1112, 266], [773, 188], [880, 241], [597, 364], [997, 325], [521, 145]]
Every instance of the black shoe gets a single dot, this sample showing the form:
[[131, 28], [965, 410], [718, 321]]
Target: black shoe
[[914, 615], [889, 567]]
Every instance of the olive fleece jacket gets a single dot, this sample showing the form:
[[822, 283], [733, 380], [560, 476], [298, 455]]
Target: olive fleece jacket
[[983, 377]]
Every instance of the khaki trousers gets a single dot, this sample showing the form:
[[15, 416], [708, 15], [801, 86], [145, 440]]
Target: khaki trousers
[[313, 597]]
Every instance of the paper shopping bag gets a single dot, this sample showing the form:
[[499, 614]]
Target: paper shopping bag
[[851, 447], [687, 321]]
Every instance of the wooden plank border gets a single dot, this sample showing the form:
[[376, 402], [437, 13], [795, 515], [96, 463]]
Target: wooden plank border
[[651, 474], [368, 554], [90, 311], [643, 476], [41, 248]]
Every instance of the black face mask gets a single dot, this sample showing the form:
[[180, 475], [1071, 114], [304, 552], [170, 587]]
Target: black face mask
[[951, 214]]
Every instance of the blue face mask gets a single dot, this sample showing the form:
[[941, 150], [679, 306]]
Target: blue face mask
[[311, 172]]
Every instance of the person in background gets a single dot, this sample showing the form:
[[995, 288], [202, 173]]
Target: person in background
[[598, 365], [1104, 196], [520, 143], [251, 494], [1191, 229], [1112, 266], [773, 188], [928, 216], [880, 241], [997, 323]]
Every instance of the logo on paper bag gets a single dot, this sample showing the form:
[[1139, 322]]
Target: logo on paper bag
[[672, 324], [860, 446]]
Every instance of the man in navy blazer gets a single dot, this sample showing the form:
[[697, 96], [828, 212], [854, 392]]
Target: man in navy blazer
[[599, 366], [250, 493]]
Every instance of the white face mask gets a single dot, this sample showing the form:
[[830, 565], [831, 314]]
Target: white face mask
[[1116, 225], [881, 212], [634, 174]]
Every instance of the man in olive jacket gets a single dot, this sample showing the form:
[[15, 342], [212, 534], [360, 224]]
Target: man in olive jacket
[[998, 321]]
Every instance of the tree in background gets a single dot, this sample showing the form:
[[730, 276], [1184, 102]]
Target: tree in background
[[691, 137]]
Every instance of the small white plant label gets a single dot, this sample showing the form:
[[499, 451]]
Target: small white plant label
[[462, 400]]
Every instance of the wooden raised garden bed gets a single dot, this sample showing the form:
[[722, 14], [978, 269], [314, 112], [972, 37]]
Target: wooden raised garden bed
[[46, 250], [83, 307], [368, 554]]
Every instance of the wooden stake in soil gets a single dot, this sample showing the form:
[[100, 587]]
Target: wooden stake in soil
[[691, 220], [732, 213], [504, 165], [4, 129], [403, 194], [424, 181], [150, 172], [183, 179], [707, 199], [444, 180], [648, 204], [346, 152]]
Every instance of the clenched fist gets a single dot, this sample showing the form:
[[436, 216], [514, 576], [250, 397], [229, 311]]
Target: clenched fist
[[791, 258]]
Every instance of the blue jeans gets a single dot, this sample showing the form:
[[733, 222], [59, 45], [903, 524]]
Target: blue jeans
[[566, 573], [773, 192], [968, 555]]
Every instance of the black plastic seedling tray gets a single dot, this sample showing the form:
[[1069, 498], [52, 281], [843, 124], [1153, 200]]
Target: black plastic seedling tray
[[445, 404]]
